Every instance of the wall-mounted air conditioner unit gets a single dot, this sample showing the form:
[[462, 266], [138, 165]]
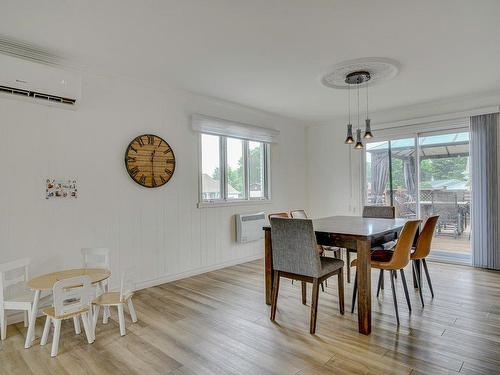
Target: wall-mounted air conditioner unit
[[249, 227], [40, 83]]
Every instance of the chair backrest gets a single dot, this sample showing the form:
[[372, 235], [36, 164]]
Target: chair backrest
[[127, 284], [298, 214], [424, 240], [401, 256], [278, 214], [294, 246], [379, 212], [72, 294], [96, 257], [13, 278], [445, 204]]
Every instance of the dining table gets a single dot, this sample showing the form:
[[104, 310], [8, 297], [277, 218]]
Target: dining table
[[46, 283], [352, 232]]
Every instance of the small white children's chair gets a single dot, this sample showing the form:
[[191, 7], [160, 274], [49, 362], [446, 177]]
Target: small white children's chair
[[14, 294], [118, 299], [72, 299], [98, 257]]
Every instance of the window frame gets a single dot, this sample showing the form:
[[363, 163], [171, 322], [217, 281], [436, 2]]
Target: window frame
[[224, 200]]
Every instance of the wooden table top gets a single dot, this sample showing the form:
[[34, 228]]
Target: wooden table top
[[355, 226], [47, 281]]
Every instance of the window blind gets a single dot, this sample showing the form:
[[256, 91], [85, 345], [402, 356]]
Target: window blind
[[227, 128]]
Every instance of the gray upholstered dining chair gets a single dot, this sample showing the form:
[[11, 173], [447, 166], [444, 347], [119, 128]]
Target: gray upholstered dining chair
[[379, 212], [295, 257]]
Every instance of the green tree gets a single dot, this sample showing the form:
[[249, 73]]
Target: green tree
[[235, 177], [452, 168]]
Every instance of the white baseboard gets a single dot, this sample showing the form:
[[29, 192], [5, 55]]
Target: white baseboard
[[197, 271]]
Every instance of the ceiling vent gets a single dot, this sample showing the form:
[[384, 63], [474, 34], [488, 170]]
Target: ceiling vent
[[41, 83]]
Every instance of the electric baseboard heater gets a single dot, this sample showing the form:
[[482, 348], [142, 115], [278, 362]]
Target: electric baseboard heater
[[249, 227]]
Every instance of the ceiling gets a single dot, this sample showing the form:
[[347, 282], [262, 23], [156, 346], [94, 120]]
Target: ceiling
[[271, 54]]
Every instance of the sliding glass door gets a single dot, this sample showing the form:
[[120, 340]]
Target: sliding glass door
[[422, 175], [445, 190]]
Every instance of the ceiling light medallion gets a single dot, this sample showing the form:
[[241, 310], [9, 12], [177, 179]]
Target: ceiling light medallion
[[357, 74]]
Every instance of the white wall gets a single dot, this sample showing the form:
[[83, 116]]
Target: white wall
[[161, 231]]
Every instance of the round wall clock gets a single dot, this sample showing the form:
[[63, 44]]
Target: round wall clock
[[150, 161]]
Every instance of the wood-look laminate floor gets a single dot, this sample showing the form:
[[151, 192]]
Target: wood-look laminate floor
[[217, 323]]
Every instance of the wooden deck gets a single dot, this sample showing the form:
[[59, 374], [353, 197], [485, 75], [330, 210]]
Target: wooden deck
[[218, 323], [446, 242]]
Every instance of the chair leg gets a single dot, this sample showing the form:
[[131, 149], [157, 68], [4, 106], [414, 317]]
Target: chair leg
[[76, 323], [380, 281], [121, 320], [341, 291], [405, 287], [106, 314], [428, 276], [394, 295], [415, 281], [87, 327], [419, 273], [304, 291], [314, 306], [46, 331], [55, 340], [25, 318], [348, 261], [131, 310], [354, 291], [418, 284], [274, 295], [3, 324]]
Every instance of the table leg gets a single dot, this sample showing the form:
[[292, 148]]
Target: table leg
[[364, 287], [30, 335], [268, 258]]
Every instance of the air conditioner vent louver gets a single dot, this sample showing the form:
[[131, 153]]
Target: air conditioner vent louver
[[37, 95]]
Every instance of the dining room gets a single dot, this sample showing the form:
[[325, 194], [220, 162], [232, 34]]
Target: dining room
[[266, 187]]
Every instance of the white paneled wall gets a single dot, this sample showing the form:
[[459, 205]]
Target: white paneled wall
[[161, 231], [334, 172]]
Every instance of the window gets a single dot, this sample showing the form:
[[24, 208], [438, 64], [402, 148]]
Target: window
[[233, 170]]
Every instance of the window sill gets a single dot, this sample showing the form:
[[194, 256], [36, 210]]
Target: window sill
[[255, 202]]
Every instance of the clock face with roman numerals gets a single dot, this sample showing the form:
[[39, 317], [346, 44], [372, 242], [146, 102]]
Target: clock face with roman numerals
[[150, 161]]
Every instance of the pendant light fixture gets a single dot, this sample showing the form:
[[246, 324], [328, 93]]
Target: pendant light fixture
[[368, 129], [359, 144], [357, 78], [349, 139]]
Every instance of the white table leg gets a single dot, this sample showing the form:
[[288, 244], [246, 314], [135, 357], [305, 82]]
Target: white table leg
[[30, 335]]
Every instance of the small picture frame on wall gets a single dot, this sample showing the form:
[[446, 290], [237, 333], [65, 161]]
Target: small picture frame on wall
[[57, 188]]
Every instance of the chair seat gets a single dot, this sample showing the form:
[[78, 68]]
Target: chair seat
[[378, 258], [25, 300], [385, 246], [50, 311], [329, 265], [110, 298]]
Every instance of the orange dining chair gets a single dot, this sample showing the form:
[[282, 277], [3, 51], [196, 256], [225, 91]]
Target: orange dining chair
[[393, 261], [422, 250]]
